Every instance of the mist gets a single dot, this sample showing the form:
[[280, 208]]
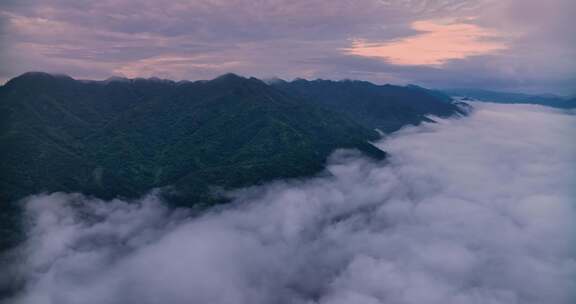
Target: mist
[[474, 210]]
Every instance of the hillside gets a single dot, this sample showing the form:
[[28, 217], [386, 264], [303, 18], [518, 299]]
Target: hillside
[[125, 137], [385, 107]]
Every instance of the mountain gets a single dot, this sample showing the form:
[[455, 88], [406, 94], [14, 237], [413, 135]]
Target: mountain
[[383, 107], [125, 137], [507, 97]]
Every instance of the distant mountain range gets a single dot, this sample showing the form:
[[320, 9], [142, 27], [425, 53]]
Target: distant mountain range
[[506, 97]]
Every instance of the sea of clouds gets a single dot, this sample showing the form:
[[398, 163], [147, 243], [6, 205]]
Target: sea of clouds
[[475, 210]]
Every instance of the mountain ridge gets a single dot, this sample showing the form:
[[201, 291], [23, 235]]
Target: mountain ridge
[[147, 105], [384, 107], [126, 136]]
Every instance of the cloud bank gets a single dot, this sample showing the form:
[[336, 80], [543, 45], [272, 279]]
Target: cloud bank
[[467, 211]]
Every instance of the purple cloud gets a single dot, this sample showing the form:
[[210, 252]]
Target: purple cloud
[[202, 39]]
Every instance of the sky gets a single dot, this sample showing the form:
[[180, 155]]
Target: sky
[[511, 45], [492, 221]]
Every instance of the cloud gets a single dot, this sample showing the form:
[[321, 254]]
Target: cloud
[[471, 210], [287, 39], [439, 41]]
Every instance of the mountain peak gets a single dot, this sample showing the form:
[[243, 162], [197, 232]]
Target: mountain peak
[[38, 78], [228, 77], [231, 80], [43, 74], [32, 75], [115, 79]]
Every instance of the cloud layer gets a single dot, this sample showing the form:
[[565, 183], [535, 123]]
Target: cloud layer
[[467, 211], [185, 39]]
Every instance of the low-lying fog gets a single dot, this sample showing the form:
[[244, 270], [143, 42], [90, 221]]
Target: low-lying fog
[[474, 210]]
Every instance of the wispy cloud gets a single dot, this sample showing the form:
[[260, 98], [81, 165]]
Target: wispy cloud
[[438, 42]]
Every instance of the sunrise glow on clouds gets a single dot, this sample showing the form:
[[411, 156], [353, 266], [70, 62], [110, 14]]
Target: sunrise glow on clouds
[[438, 42], [432, 43]]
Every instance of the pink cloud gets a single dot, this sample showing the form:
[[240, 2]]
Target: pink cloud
[[439, 42]]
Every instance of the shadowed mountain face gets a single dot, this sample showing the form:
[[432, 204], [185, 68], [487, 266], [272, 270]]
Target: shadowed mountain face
[[125, 137], [385, 107]]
